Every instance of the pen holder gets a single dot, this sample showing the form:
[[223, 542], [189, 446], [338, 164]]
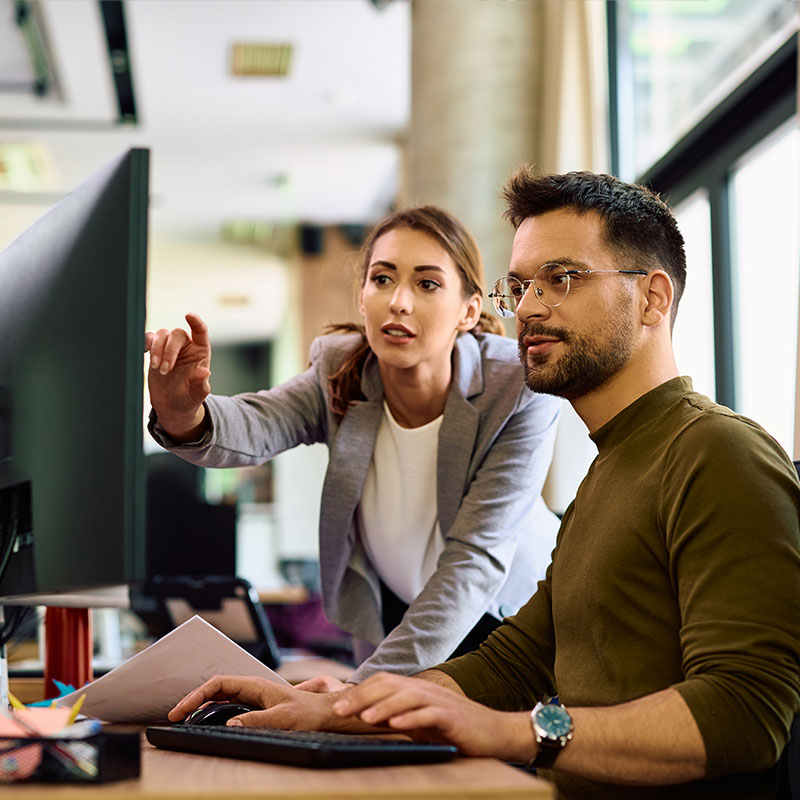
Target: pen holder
[[94, 759]]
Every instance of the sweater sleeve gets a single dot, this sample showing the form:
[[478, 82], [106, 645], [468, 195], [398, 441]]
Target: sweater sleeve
[[731, 520]]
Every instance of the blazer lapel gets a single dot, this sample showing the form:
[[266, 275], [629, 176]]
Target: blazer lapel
[[349, 459], [459, 429]]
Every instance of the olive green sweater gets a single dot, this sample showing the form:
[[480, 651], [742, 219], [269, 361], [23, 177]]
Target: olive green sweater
[[677, 564]]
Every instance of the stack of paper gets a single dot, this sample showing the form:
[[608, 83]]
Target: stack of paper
[[149, 684]]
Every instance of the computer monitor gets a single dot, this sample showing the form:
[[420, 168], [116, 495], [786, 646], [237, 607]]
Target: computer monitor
[[72, 317]]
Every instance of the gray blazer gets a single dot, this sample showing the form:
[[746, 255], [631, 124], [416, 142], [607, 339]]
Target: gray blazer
[[495, 446]]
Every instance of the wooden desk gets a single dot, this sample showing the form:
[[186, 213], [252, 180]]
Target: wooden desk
[[183, 776]]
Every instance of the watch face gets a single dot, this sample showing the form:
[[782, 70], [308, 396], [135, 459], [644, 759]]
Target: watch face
[[554, 721]]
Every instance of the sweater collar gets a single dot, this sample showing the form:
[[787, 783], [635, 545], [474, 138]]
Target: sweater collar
[[640, 412]]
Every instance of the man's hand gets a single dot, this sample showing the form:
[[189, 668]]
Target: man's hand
[[178, 377], [428, 711], [284, 706]]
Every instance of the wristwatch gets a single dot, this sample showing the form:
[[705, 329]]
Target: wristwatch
[[552, 729]]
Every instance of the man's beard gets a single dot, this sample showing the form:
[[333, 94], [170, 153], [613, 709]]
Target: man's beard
[[586, 363]]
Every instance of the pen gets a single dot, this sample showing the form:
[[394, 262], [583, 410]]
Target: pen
[[15, 703]]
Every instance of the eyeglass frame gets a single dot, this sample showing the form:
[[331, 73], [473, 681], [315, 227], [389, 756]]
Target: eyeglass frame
[[527, 283]]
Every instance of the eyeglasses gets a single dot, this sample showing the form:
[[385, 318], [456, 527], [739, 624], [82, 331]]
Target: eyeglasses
[[550, 285]]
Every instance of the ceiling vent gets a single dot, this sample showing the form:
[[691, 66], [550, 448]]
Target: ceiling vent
[[261, 60]]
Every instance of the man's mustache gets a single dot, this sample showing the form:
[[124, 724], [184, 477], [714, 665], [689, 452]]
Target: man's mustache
[[537, 329]]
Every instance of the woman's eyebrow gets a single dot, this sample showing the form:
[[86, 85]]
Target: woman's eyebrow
[[419, 268]]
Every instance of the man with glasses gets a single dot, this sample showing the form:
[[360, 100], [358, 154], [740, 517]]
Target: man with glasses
[[669, 621]]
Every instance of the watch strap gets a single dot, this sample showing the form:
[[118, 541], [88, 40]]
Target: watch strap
[[547, 755]]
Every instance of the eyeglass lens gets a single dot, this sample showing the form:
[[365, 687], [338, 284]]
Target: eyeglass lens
[[551, 284]]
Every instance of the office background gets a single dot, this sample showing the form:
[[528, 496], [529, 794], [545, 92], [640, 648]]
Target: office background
[[281, 129]]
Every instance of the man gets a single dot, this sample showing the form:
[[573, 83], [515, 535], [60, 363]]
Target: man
[[669, 621]]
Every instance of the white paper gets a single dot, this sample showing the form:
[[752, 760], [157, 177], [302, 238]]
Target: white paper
[[148, 685]]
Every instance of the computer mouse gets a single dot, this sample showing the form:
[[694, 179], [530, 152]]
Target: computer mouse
[[215, 713]]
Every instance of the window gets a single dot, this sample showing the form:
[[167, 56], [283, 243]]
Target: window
[[693, 335], [678, 59], [718, 138], [765, 209]]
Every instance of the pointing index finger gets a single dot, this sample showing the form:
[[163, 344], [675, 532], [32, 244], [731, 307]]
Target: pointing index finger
[[199, 330]]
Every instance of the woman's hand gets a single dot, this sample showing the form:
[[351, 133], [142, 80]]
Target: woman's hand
[[284, 706], [323, 684], [178, 377]]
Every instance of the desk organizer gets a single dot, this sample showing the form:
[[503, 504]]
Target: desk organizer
[[94, 759]]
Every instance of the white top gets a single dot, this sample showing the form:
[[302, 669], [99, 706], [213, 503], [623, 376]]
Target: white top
[[398, 515]]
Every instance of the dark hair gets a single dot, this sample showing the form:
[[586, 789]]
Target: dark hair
[[639, 226], [345, 383]]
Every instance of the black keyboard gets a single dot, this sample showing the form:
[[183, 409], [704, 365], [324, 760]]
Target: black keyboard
[[297, 748]]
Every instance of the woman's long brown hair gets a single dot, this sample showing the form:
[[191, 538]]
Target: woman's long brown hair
[[345, 383]]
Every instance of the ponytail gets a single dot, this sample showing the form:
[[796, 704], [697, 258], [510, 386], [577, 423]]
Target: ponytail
[[345, 383], [488, 323]]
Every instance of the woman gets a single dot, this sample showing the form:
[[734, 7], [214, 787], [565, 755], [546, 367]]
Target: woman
[[432, 526]]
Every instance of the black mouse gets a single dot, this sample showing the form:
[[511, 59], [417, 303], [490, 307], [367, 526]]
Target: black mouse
[[215, 713]]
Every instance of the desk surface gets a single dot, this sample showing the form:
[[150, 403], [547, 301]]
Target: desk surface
[[175, 776]]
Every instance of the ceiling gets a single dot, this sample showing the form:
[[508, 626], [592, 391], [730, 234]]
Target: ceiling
[[320, 145]]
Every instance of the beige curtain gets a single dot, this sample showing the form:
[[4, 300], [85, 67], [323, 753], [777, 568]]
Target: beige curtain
[[574, 79], [573, 135]]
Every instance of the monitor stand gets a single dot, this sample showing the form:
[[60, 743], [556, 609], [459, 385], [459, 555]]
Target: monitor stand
[[68, 651], [68, 648], [69, 629]]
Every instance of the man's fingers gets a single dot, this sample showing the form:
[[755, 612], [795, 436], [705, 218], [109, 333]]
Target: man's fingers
[[391, 706], [148, 340], [375, 689], [426, 718]]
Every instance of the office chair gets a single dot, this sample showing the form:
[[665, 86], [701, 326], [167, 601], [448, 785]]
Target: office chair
[[230, 604], [789, 766]]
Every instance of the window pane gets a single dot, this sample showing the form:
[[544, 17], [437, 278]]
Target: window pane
[[679, 58], [693, 335], [765, 214]]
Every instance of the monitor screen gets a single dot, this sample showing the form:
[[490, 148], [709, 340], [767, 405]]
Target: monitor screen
[[72, 317]]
